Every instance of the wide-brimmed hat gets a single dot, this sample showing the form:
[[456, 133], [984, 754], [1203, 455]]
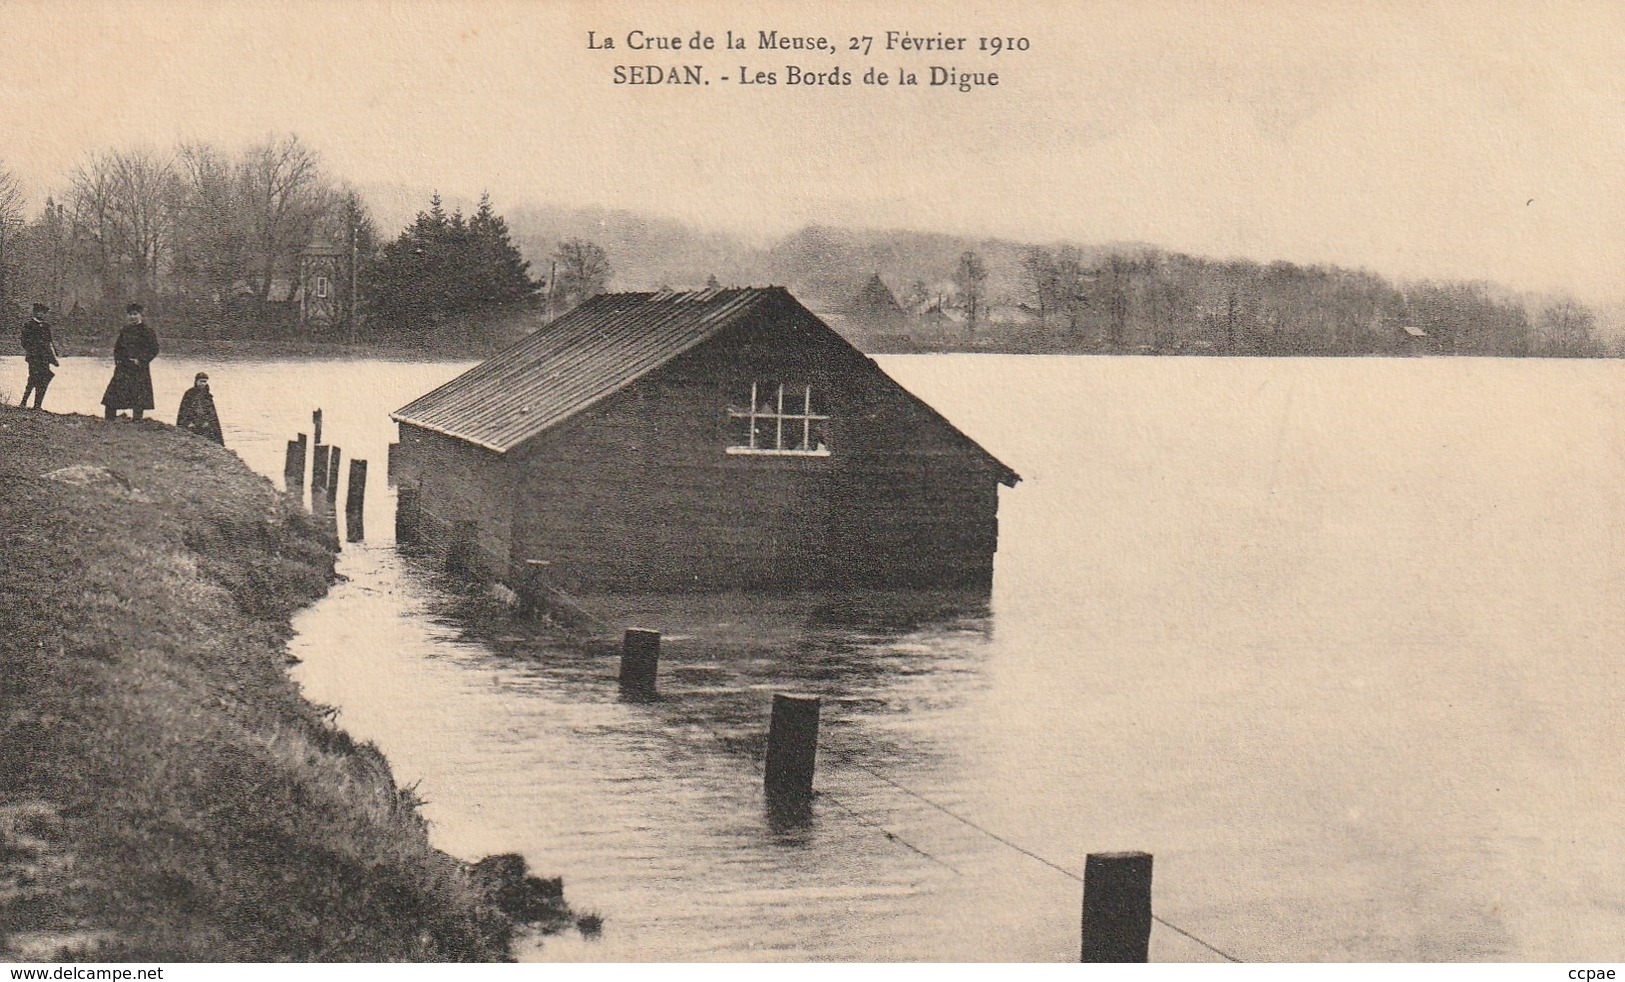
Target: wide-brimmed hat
[[133, 308], [201, 377]]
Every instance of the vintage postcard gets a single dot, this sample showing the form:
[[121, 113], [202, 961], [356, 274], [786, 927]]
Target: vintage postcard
[[729, 481]]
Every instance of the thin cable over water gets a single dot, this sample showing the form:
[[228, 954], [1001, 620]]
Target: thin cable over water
[[1176, 928], [850, 758], [888, 833], [959, 818]]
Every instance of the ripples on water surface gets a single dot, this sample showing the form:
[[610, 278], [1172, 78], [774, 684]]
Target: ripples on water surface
[[1337, 641]]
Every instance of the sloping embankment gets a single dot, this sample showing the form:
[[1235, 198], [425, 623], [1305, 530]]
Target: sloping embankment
[[165, 792]]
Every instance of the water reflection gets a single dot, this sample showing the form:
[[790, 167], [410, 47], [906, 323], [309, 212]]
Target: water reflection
[[882, 662], [669, 793], [1333, 648], [789, 817]]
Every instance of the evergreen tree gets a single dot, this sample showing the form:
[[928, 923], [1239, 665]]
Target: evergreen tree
[[446, 266], [500, 273]]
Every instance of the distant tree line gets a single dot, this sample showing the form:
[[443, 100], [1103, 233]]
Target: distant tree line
[[215, 237], [210, 235], [1152, 302], [214, 240], [1168, 302]]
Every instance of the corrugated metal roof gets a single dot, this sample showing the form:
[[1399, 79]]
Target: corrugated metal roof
[[593, 351]]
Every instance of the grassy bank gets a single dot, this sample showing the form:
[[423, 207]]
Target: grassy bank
[[165, 791]]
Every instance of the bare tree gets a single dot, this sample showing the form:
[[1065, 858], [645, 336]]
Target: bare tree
[[283, 194], [147, 183], [36, 256], [1118, 269], [1071, 288], [346, 221], [1039, 266], [970, 277], [212, 249], [583, 272], [1566, 330], [11, 223], [1164, 301], [124, 202], [90, 203]]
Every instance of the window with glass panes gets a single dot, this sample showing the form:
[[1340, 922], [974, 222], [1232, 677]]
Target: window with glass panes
[[778, 418]]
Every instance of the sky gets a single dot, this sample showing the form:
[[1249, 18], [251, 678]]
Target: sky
[[1453, 140]]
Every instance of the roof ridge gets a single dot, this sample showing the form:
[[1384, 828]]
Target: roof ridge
[[595, 350]]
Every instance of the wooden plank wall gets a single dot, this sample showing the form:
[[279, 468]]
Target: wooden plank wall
[[638, 492], [458, 481]]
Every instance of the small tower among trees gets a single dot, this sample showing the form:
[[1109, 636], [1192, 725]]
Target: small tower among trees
[[323, 294]]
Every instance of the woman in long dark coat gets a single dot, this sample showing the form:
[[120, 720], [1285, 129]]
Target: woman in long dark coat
[[131, 387], [197, 413]]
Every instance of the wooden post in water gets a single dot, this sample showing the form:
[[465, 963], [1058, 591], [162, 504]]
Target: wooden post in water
[[318, 475], [330, 524], [293, 468], [792, 746], [316, 424], [355, 502], [332, 486], [406, 514], [1116, 907], [640, 663]]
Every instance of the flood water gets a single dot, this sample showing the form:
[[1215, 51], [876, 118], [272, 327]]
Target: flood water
[[1337, 641]]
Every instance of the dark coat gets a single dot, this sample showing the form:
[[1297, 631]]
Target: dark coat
[[38, 347], [39, 351], [197, 415], [131, 387]]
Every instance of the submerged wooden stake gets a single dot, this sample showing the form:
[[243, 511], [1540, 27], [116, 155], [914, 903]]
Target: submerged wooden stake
[[355, 502], [330, 525], [640, 662], [316, 424], [332, 486], [792, 745], [318, 474], [293, 468], [1116, 907]]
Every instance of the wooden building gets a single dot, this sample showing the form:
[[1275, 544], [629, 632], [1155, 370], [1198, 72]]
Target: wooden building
[[876, 303], [705, 440]]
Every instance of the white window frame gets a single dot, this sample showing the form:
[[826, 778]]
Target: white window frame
[[780, 420], [323, 287]]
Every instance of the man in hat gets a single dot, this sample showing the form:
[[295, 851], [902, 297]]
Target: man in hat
[[39, 351], [197, 413], [136, 347]]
